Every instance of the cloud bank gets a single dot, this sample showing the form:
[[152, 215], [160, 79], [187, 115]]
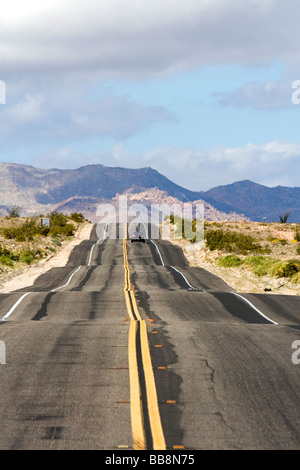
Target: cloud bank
[[269, 164], [143, 39]]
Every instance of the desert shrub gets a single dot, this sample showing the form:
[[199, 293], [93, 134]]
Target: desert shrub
[[297, 235], [44, 230], [298, 250], [66, 230], [77, 217], [8, 257], [230, 261], [27, 231], [27, 256], [60, 226], [58, 219], [262, 265], [10, 232], [190, 230], [289, 269], [232, 242], [15, 211], [69, 230], [6, 260], [283, 218], [296, 278], [24, 231]]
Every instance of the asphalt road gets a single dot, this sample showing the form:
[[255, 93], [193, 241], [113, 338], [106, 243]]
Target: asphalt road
[[128, 347]]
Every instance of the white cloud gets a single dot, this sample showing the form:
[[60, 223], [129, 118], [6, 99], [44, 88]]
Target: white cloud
[[141, 39], [29, 110], [269, 164], [116, 116], [270, 95], [66, 113]]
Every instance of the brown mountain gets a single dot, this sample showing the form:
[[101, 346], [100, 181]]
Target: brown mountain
[[83, 189], [40, 191]]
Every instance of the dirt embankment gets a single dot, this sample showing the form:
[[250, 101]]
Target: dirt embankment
[[24, 276], [279, 239]]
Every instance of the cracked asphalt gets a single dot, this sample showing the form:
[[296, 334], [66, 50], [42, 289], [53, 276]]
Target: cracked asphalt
[[222, 366]]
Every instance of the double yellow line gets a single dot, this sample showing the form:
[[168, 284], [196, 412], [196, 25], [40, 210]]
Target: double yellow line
[[138, 335]]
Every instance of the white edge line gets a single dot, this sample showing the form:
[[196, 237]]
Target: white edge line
[[157, 251], [15, 306], [91, 253], [179, 272], [53, 290], [237, 295], [92, 249], [69, 280], [256, 309]]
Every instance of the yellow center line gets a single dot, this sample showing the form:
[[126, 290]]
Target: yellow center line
[[136, 412], [137, 419]]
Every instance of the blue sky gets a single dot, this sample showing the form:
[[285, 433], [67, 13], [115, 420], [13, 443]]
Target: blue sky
[[199, 91]]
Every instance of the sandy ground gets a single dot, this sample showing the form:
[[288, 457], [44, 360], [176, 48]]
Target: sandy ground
[[241, 279], [197, 255], [26, 276]]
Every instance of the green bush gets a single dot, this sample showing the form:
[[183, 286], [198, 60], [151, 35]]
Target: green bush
[[298, 250], [58, 219], [10, 232], [8, 257], [189, 229], [77, 217], [27, 256], [6, 260], [289, 269], [66, 230], [230, 261], [232, 242], [262, 265], [15, 211], [24, 231]]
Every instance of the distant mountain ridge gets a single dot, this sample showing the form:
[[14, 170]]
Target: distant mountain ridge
[[81, 190], [259, 202]]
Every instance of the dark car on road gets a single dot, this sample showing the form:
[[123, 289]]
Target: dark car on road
[[138, 237]]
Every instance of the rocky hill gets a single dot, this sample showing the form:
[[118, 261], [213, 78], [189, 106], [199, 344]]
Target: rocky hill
[[258, 202], [39, 191]]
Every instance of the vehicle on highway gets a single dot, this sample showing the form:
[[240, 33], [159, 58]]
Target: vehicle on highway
[[138, 237]]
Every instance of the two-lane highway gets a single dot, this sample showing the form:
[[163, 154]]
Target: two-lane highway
[[127, 347]]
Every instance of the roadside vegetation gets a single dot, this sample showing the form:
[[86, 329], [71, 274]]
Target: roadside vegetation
[[256, 253], [266, 250], [24, 240]]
